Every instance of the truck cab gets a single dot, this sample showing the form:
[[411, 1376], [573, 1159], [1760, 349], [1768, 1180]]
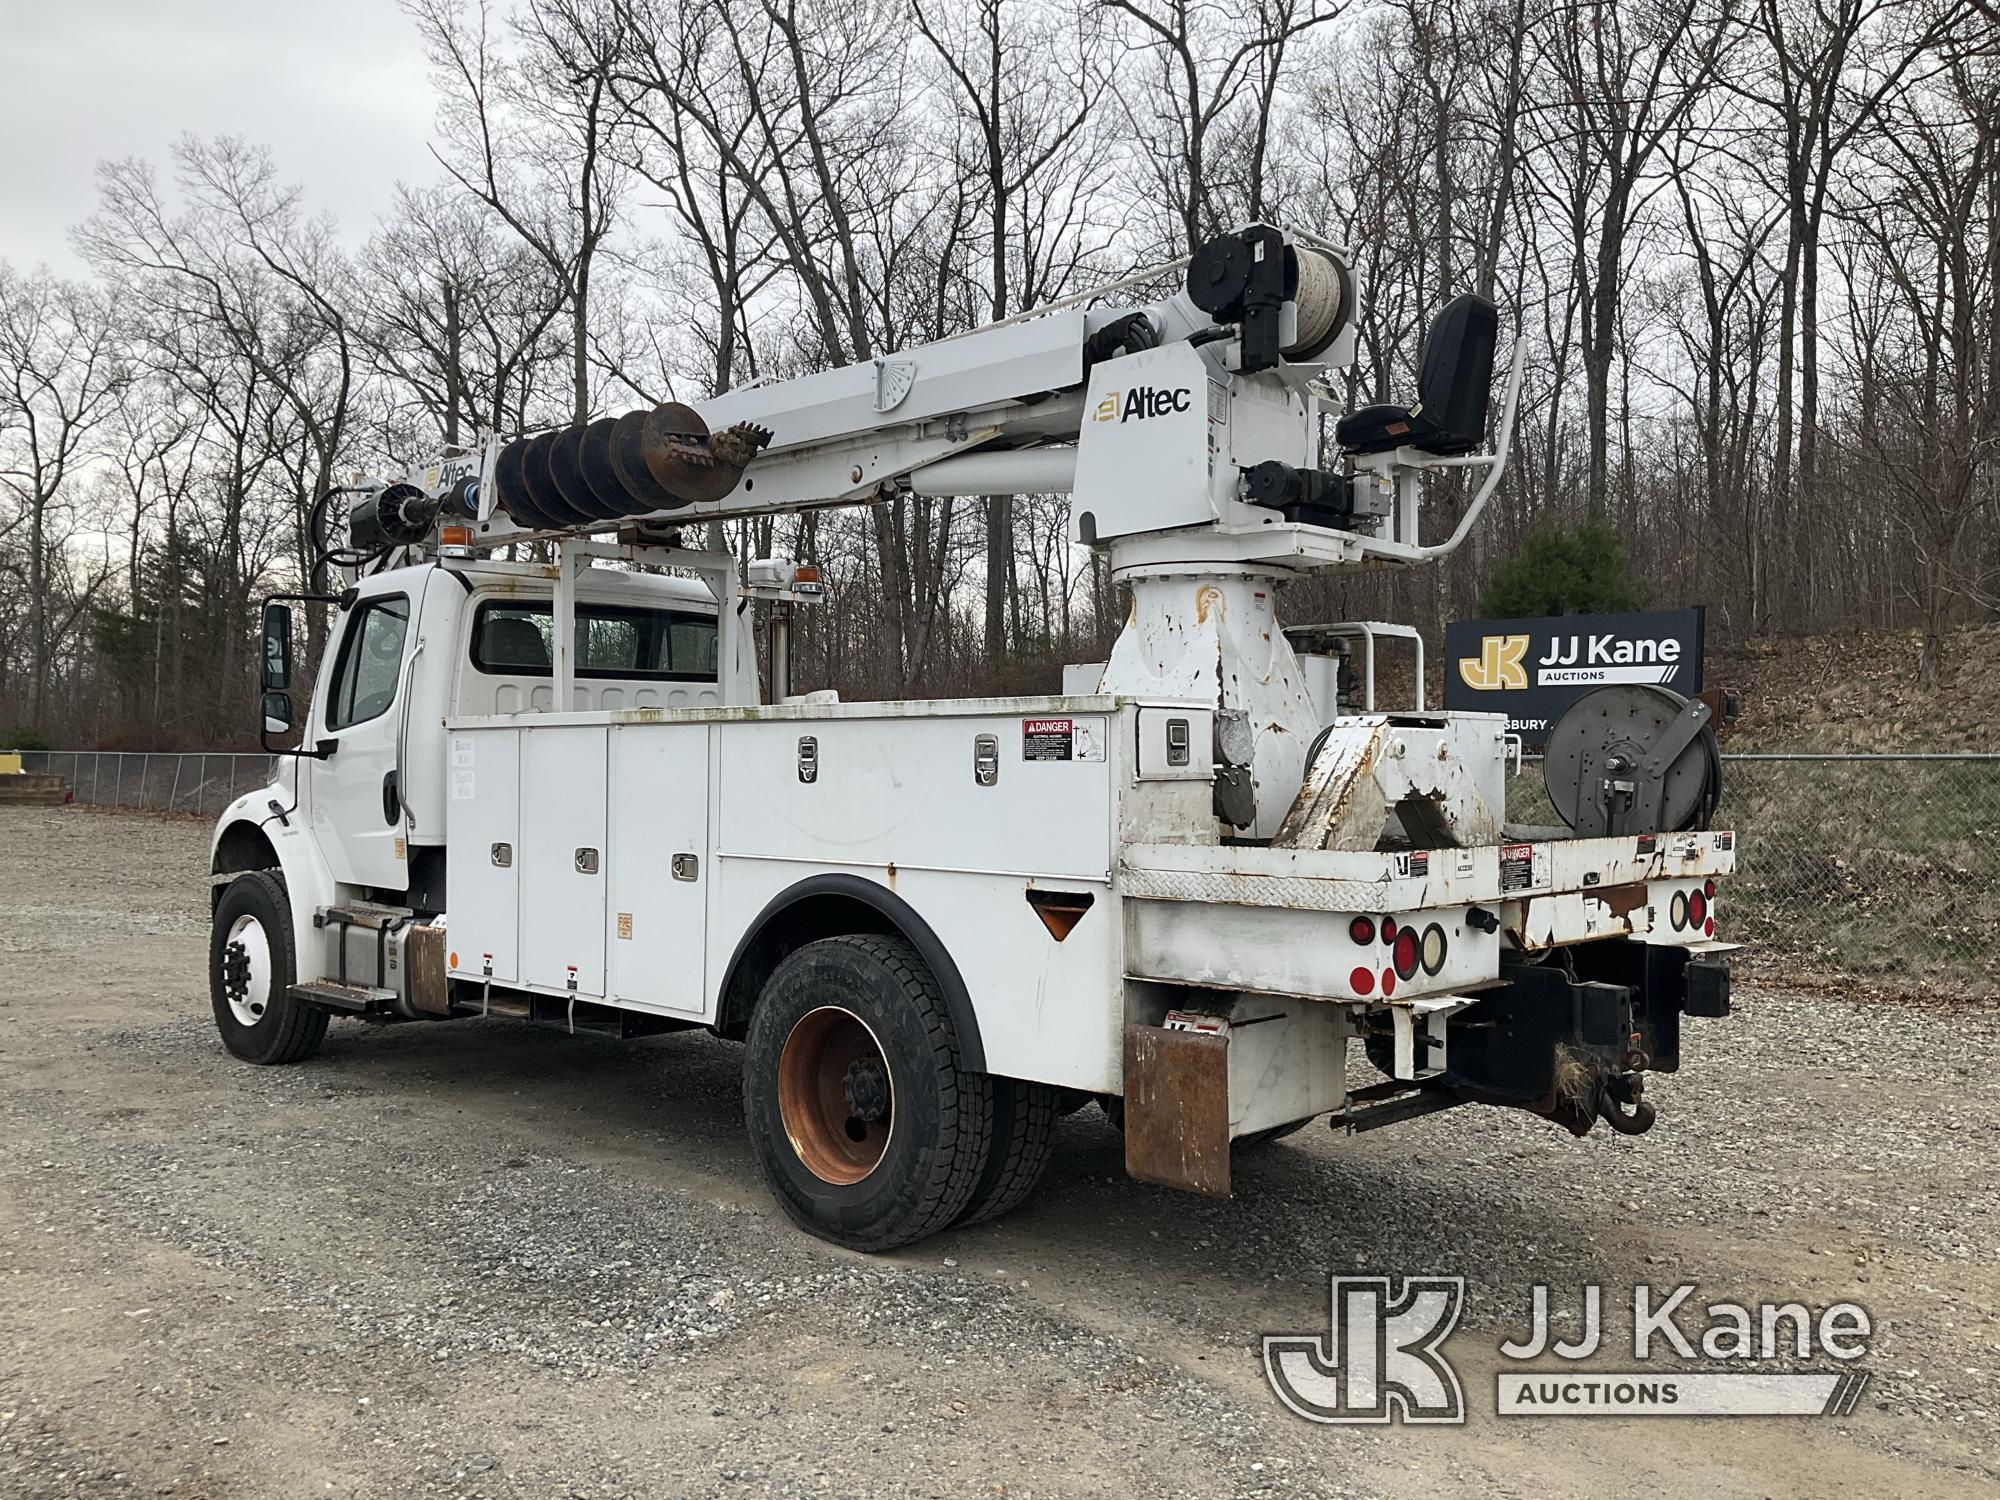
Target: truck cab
[[358, 813]]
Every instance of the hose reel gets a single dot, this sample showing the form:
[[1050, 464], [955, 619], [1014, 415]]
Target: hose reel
[[1631, 759]]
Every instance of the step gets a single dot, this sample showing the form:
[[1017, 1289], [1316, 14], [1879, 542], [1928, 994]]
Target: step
[[355, 999]]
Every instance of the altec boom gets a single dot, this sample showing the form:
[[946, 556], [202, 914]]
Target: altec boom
[[571, 793]]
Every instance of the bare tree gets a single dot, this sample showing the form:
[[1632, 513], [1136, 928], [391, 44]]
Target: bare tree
[[60, 378]]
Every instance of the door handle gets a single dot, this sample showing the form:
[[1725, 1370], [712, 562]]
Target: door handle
[[392, 801]]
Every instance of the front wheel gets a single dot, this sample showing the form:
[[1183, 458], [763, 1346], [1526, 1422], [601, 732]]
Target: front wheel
[[251, 970], [866, 1128]]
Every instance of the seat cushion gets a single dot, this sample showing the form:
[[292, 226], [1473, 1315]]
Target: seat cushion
[[1377, 429]]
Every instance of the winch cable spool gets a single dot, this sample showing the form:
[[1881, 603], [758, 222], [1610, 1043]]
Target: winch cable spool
[[1322, 298], [1633, 758], [618, 468]]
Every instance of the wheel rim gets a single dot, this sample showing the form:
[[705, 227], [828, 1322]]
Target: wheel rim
[[836, 1095], [246, 970]]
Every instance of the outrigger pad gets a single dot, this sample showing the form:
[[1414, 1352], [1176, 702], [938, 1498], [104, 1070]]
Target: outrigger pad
[[1454, 388]]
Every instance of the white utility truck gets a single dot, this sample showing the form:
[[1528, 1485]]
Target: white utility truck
[[562, 790]]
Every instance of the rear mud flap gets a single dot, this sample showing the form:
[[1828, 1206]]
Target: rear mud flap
[[1177, 1109]]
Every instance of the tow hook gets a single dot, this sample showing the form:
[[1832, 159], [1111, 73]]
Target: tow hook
[[1617, 1092]]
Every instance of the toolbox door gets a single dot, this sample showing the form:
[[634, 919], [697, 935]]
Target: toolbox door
[[562, 856], [660, 867]]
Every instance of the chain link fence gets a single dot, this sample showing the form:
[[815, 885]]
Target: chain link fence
[[1882, 870], [192, 781], [1878, 870]]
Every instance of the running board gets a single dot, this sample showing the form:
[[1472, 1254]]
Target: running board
[[352, 999]]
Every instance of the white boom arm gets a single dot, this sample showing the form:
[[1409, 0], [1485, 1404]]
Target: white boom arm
[[1188, 432]]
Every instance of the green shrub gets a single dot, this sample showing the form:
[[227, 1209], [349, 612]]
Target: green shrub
[[1578, 570]]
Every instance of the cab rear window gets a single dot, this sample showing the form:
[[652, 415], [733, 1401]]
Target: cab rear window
[[517, 639]]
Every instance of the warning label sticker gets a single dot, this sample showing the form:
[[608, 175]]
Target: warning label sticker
[[1062, 739], [1524, 867]]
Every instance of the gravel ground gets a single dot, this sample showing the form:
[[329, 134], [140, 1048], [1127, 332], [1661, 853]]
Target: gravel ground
[[487, 1260]]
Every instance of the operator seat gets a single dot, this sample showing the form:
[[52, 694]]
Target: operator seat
[[1454, 385], [511, 641]]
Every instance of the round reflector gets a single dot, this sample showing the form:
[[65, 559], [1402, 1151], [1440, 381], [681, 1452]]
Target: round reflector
[[1434, 948], [1388, 981], [1362, 980]]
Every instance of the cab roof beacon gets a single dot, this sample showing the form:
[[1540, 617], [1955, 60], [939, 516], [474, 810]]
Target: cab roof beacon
[[568, 791]]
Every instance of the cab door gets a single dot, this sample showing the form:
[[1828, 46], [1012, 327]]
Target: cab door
[[356, 806]]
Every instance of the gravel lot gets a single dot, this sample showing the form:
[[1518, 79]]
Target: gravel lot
[[482, 1259]]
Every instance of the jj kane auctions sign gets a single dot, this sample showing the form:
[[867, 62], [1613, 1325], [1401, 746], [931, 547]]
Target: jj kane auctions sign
[[1531, 670]]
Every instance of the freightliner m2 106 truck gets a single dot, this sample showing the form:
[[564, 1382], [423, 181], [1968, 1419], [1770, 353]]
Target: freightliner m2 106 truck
[[576, 787]]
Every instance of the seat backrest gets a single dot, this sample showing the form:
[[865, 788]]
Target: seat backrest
[[511, 641], [1455, 381]]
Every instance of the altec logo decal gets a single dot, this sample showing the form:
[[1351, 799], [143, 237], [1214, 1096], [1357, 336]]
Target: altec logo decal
[[1140, 402], [1497, 666]]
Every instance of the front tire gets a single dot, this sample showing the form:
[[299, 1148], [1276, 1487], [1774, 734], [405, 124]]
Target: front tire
[[868, 1131], [251, 970]]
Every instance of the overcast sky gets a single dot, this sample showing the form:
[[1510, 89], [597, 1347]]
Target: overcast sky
[[337, 88]]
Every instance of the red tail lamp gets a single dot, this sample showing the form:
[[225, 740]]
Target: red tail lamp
[[1406, 953], [1389, 929], [1697, 909], [1362, 930]]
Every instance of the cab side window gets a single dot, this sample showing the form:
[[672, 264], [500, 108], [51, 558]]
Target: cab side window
[[370, 663]]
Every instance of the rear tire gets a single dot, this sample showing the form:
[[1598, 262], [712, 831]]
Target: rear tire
[[251, 970], [1024, 1143], [866, 1128]]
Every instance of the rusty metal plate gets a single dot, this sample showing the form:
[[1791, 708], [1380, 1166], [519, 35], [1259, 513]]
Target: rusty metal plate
[[430, 986], [1177, 1109]]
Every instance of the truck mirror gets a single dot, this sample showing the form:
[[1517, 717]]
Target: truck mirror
[[277, 653], [277, 712]]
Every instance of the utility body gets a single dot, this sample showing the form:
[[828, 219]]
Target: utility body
[[570, 792]]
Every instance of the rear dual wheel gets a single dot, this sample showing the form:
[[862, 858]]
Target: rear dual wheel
[[869, 1131]]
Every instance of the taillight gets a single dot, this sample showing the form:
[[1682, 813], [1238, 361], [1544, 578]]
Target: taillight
[[1708, 889], [1362, 930], [1362, 980], [1406, 953], [1389, 929], [1435, 945], [1697, 909]]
